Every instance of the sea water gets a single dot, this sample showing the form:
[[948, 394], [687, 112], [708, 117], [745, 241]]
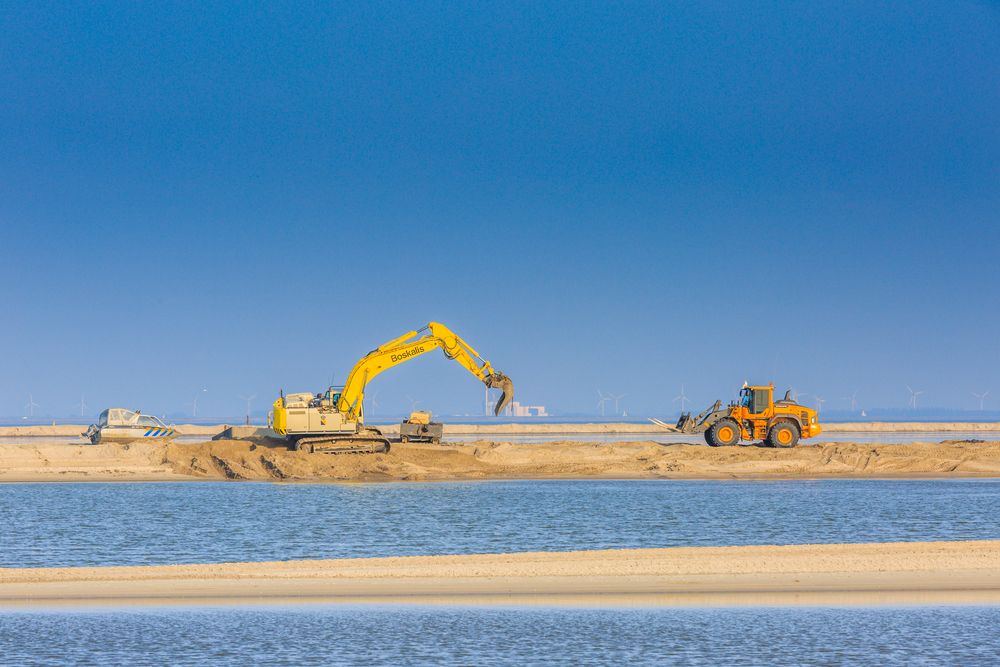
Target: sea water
[[373, 635], [68, 524]]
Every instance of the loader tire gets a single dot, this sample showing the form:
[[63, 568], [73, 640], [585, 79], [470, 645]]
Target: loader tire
[[723, 433], [783, 434]]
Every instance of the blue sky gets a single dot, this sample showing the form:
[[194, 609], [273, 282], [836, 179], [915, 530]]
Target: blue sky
[[624, 196]]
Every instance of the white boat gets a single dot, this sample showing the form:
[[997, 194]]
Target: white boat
[[121, 425]]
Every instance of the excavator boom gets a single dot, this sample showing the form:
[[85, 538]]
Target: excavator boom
[[411, 345]]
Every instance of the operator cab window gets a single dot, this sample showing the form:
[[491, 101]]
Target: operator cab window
[[759, 401]]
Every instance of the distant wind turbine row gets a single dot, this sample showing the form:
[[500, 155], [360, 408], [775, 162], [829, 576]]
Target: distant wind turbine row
[[818, 400], [602, 400]]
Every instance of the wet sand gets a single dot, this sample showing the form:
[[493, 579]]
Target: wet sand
[[485, 460], [890, 573]]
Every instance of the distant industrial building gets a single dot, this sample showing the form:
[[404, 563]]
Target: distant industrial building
[[515, 409]]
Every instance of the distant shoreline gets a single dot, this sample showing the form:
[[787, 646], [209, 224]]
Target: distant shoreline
[[71, 430], [824, 574]]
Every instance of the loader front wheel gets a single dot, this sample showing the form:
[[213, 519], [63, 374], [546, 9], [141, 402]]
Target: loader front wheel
[[783, 434], [723, 433]]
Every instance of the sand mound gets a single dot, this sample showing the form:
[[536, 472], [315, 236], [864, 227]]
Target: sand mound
[[240, 460]]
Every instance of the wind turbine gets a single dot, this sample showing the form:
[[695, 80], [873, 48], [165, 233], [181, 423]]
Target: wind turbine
[[981, 397], [682, 397], [913, 397], [248, 399], [372, 400], [853, 398], [194, 404], [31, 405], [487, 401], [83, 406], [819, 402], [602, 400], [617, 398], [413, 403]]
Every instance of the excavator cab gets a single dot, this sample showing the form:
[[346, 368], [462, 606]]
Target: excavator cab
[[331, 397]]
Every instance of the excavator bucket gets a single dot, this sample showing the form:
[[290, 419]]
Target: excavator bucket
[[506, 385]]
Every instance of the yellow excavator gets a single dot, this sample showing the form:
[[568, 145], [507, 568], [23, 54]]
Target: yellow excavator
[[334, 422]]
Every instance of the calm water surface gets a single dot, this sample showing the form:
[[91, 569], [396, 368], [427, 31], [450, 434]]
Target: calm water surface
[[503, 635], [47, 525]]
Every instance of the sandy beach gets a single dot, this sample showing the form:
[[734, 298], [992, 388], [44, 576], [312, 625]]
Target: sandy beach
[[484, 460], [889, 573]]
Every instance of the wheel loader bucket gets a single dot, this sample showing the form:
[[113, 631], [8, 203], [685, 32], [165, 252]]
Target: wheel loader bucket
[[686, 423], [692, 424], [506, 385]]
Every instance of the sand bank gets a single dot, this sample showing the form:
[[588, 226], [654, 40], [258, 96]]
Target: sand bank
[[893, 573], [70, 430], [239, 460]]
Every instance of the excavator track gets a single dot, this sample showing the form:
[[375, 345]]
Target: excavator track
[[368, 441]]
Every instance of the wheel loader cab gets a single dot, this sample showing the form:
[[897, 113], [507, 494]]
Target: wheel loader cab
[[756, 400]]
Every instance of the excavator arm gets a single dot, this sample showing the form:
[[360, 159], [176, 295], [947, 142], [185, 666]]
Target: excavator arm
[[411, 345]]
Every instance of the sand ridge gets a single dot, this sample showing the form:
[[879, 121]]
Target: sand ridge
[[483, 460], [804, 574]]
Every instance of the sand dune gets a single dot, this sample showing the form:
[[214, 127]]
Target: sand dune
[[893, 573], [239, 460]]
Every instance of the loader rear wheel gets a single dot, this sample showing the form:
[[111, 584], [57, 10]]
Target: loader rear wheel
[[723, 433], [783, 434]]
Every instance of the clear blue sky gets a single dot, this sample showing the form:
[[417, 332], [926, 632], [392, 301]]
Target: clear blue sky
[[624, 196]]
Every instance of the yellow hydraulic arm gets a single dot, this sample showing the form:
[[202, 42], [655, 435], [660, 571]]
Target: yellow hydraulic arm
[[410, 345]]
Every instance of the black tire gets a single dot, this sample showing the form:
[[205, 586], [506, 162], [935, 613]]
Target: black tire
[[723, 433], [784, 434], [404, 438]]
